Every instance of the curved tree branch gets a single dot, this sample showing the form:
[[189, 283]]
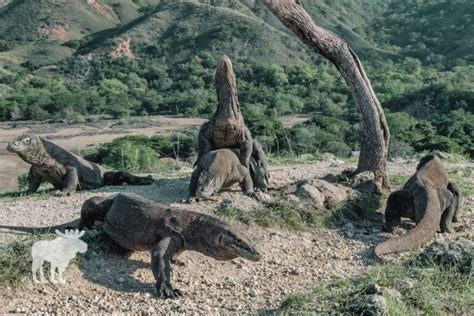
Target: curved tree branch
[[375, 134]]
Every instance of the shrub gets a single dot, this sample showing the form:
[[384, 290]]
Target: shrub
[[142, 153], [128, 155]]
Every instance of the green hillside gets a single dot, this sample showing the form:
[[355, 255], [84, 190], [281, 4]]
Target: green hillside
[[70, 60], [434, 31]]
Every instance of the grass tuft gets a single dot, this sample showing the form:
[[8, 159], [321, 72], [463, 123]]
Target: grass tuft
[[230, 212], [15, 260]]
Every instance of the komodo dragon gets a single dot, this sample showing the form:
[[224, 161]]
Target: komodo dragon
[[428, 198], [258, 166], [64, 170], [226, 128], [216, 170], [138, 224]]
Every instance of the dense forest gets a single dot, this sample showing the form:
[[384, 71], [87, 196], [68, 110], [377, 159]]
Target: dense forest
[[418, 54]]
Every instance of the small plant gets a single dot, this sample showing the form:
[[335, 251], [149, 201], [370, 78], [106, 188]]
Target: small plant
[[23, 183], [399, 179], [233, 213], [288, 215], [15, 260]]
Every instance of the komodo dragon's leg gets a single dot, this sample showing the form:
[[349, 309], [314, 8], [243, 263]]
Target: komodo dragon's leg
[[34, 181], [245, 152], [204, 146], [247, 183], [161, 255], [457, 199], [449, 205], [70, 182], [121, 177], [400, 204], [194, 182]]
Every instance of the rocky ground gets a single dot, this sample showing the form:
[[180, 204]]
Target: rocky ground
[[292, 261]]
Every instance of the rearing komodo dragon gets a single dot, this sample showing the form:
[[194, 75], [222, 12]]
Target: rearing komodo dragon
[[226, 128], [138, 224], [428, 198], [64, 170]]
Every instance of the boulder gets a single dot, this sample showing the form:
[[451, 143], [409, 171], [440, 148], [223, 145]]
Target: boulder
[[308, 191], [331, 192], [457, 254], [323, 193]]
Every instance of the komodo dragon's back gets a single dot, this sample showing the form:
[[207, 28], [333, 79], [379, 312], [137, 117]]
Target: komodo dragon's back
[[88, 172]]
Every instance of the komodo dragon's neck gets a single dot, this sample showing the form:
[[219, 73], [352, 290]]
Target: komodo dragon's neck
[[39, 158], [228, 111]]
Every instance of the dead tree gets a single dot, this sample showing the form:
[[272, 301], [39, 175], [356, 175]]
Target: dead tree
[[374, 129]]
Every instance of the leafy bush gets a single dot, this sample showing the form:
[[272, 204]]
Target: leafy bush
[[142, 153], [129, 155]]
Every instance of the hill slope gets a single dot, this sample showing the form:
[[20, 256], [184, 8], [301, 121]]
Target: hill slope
[[69, 59]]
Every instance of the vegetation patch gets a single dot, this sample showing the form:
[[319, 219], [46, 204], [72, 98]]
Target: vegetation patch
[[142, 154], [410, 287], [15, 260], [230, 212], [298, 216], [15, 257]]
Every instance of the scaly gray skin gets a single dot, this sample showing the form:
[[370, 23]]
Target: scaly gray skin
[[258, 166], [64, 170], [216, 170], [138, 224], [427, 198], [226, 128]]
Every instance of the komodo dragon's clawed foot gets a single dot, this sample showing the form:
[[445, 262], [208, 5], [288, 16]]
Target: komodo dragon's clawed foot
[[61, 193], [190, 200], [166, 291], [252, 195]]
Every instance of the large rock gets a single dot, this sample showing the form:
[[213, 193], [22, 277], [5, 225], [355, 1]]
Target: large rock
[[457, 254], [312, 193], [323, 193]]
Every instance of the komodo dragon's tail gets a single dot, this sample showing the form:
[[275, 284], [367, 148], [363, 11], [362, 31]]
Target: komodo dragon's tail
[[427, 198], [41, 230]]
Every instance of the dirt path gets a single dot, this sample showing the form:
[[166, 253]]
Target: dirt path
[[107, 282]]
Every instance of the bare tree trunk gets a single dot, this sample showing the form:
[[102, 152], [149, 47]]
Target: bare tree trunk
[[374, 129]]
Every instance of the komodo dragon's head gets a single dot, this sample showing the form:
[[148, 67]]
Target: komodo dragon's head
[[228, 112], [260, 174], [27, 144], [398, 200], [224, 242], [207, 185]]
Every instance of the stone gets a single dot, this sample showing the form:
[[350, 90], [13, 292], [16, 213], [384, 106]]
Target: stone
[[372, 304], [309, 191], [330, 191], [458, 254], [373, 288], [362, 177]]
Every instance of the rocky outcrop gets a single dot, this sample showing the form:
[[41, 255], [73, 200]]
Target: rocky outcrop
[[122, 49], [323, 193], [457, 254]]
